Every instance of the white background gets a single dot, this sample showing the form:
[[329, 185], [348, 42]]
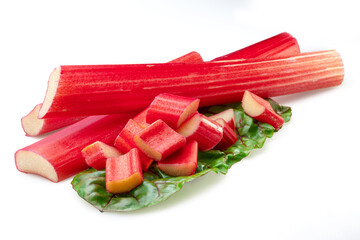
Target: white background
[[303, 184]]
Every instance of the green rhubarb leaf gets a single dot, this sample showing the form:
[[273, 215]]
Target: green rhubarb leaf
[[157, 186]]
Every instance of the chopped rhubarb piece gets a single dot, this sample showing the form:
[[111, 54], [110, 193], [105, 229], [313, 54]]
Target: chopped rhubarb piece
[[125, 141], [191, 57], [205, 131], [228, 115], [58, 156], [229, 135], [141, 118], [172, 109], [123, 173], [105, 89], [281, 45], [183, 162], [261, 110], [159, 140], [33, 126], [96, 154]]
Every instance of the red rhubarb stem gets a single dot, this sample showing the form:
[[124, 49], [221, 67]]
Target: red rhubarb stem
[[84, 90], [58, 156], [281, 45]]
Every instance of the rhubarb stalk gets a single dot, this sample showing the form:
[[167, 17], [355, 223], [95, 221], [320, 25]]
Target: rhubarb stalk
[[58, 156], [281, 45], [84, 90]]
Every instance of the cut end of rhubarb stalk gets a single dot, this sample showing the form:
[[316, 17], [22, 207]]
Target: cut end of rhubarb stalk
[[124, 185], [190, 126], [252, 107], [50, 92], [228, 115], [30, 162], [145, 148], [31, 124], [188, 112], [96, 154]]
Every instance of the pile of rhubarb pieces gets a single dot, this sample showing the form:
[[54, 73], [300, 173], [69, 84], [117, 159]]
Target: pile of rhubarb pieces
[[127, 118]]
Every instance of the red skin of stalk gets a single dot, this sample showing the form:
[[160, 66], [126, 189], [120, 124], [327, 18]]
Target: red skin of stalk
[[172, 109], [159, 138], [228, 115], [30, 122], [181, 163], [281, 45], [125, 142], [96, 154], [123, 173], [212, 82], [268, 115], [229, 135], [208, 133], [62, 150]]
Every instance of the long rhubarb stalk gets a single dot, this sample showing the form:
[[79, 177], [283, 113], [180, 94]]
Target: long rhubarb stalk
[[281, 45], [34, 126], [100, 89], [58, 156]]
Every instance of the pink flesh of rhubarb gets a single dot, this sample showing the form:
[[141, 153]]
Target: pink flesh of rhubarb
[[158, 140], [229, 135], [125, 142], [281, 45], [33, 126], [58, 156], [172, 109], [96, 154], [79, 92], [123, 173], [202, 129], [228, 115], [181, 163], [261, 110]]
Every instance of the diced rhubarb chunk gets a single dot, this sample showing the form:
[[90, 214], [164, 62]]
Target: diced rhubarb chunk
[[183, 162], [261, 110], [141, 118], [123, 173], [228, 115], [96, 154], [159, 140], [229, 135], [125, 141], [202, 129], [172, 109]]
